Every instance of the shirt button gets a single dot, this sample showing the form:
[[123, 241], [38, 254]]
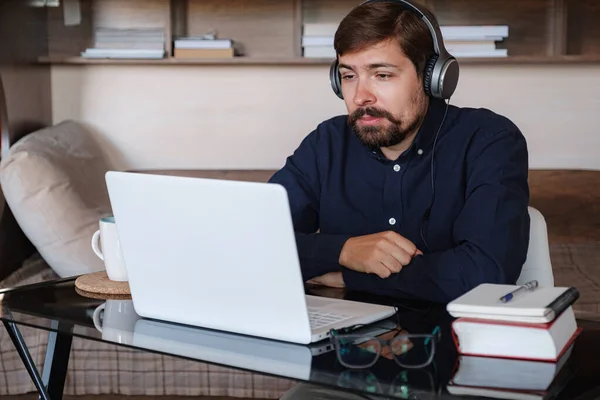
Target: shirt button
[[397, 168], [420, 151], [392, 221]]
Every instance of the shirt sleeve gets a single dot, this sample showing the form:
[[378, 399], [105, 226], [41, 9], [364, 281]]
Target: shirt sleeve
[[318, 252], [491, 233]]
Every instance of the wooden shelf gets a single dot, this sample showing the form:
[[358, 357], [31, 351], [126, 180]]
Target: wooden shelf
[[304, 61], [270, 31], [184, 61]]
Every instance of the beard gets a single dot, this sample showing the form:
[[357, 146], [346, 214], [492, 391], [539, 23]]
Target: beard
[[385, 134]]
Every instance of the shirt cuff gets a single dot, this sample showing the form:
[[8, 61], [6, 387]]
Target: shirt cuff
[[358, 281], [320, 253]]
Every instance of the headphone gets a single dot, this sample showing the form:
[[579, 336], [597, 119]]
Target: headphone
[[441, 73]]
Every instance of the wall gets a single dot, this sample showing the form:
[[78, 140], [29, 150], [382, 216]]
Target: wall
[[252, 117]]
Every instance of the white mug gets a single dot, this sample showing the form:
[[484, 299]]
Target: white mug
[[118, 320], [111, 249]]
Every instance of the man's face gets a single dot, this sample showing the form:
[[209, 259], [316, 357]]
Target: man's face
[[383, 94]]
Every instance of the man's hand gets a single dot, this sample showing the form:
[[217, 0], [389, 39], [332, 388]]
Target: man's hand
[[382, 253], [331, 279]]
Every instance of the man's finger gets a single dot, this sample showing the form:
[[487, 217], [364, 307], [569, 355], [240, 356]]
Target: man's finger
[[403, 243], [381, 270], [397, 252], [391, 262]]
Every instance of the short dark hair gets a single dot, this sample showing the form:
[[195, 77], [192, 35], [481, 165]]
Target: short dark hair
[[371, 23]]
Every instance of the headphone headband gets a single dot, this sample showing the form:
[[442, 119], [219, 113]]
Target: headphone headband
[[434, 30], [441, 73]]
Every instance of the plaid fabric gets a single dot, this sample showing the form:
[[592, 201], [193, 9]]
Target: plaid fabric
[[102, 368], [99, 368]]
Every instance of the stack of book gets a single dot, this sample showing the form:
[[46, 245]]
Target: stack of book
[[204, 47], [515, 349], [475, 41], [460, 41], [317, 40], [127, 43]]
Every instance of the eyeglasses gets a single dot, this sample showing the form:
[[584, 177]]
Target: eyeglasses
[[409, 350]]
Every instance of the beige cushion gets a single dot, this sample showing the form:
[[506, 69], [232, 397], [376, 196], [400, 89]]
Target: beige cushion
[[53, 181]]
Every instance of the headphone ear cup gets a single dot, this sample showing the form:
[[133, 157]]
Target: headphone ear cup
[[334, 79], [428, 75]]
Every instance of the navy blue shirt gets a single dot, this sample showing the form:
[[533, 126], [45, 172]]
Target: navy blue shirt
[[478, 226]]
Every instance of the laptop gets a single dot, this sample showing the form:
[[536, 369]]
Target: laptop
[[222, 255]]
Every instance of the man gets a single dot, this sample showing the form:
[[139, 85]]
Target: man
[[367, 211]]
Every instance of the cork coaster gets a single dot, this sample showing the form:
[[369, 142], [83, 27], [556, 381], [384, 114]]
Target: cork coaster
[[99, 296], [98, 283]]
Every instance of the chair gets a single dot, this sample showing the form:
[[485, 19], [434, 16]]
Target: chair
[[538, 265]]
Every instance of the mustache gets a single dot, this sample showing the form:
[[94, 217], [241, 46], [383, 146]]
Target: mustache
[[371, 112]]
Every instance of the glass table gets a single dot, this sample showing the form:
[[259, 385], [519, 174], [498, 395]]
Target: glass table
[[65, 312]]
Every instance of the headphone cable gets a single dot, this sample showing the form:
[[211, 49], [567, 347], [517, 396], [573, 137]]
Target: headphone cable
[[428, 210]]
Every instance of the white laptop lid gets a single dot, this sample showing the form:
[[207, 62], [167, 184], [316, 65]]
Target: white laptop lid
[[212, 253]]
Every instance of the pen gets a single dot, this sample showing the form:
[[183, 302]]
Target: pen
[[522, 289]]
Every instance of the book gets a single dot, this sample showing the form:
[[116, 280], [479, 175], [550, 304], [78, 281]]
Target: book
[[199, 43], [478, 53], [320, 28], [319, 52], [519, 340], [309, 41], [123, 53], [503, 373], [511, 379], [470, 45], [472, 31], [203, 53], [540, 305]]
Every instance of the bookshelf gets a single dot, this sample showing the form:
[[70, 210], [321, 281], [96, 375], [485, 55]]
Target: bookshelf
[[270, 31]]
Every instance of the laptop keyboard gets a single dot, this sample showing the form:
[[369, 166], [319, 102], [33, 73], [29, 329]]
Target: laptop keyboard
[[320, 318]]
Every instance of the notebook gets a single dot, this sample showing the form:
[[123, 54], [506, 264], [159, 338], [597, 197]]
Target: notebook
[[540, 305]]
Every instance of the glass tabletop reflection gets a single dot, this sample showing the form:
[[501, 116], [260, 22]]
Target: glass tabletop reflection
[[59, 306]]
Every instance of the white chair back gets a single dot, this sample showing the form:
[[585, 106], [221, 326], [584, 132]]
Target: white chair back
[[538, 265]]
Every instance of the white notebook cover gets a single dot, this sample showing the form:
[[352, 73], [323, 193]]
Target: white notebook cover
[[484, 302]]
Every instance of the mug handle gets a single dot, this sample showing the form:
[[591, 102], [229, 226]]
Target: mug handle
[[96, 316], [95, 246]]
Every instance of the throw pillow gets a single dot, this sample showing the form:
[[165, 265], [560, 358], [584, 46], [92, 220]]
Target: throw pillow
[[53, 181]]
